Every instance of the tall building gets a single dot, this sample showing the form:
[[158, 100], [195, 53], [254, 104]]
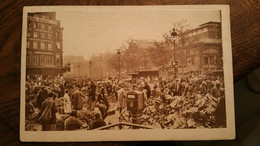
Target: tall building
[[44, 50], [200, 49]]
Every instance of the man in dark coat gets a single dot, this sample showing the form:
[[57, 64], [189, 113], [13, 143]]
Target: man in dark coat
[[43, 94], [147, 88], [48, 114], [109, 89], [103, 103], [98, 122], [77, 99]]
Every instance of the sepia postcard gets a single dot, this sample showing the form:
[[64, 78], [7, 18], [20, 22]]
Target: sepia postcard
[[126, 73]]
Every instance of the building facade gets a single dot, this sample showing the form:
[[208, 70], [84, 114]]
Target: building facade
[[44, 50], [200, 49]]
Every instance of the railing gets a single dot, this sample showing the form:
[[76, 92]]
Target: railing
[[120, 124]]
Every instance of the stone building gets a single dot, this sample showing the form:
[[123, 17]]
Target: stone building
[[200, 50], [44, 50]]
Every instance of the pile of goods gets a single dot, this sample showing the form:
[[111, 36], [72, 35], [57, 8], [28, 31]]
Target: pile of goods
[[86, 116], [178, 112]]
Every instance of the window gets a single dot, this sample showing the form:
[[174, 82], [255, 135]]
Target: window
[[35, 60], [192, 61], [58, 45], [33, 25], [49, 27], [42, 26], [43, 35], [206, 60], [27, 44], [57, 59], [57, 35], [38, 26], [35, 34], [28, 59], [42, 46], [49, 60], [49, 36], [49, 46], [189, 61], [211, 60], [35, 45], [205, 30], [42, 61], [28, 33]]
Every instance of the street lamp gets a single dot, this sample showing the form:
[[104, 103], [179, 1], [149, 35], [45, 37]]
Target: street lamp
[[78, 69], [90, 69], [174, 36], [119, 53]]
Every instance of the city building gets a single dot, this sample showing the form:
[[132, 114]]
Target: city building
[[44, 50], [200, 50]]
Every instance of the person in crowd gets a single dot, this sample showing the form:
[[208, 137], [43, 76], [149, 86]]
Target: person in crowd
[[98, 121], [67, 103], [48, 114], [215, 91], [93, 86], [77, 99], [43, 94], [92, 98], [148, 90], [56, 89], [121, 98], [73, 123], [154, 92], [102, 103], [29, 110], [62, 91], [109, 89]]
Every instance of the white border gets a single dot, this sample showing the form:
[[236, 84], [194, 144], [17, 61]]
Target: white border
[[136, 135]]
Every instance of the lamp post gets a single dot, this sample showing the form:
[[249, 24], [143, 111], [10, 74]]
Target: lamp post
[[90, 69], [119, 53], [78, 70], [174, 36]]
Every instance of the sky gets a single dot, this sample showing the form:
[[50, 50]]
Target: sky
[[104, 29]]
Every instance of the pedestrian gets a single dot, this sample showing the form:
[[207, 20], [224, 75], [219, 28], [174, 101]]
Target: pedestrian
[[121, 98], [29, 110], [48, 114], [148, 90], [43, 94], [67, 103], [77, 99], [109, 89], [102, 103]]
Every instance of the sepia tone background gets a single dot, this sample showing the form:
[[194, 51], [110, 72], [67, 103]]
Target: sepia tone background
[[245, 32]]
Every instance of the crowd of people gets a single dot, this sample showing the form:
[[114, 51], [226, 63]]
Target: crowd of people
[[47, 97]]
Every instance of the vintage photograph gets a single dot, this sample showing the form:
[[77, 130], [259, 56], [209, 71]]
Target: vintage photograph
[[101, 69]]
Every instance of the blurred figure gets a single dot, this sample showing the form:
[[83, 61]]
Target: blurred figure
[[67, 103], [48, 114], [73, 123], [98, 122], [77, 99]]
